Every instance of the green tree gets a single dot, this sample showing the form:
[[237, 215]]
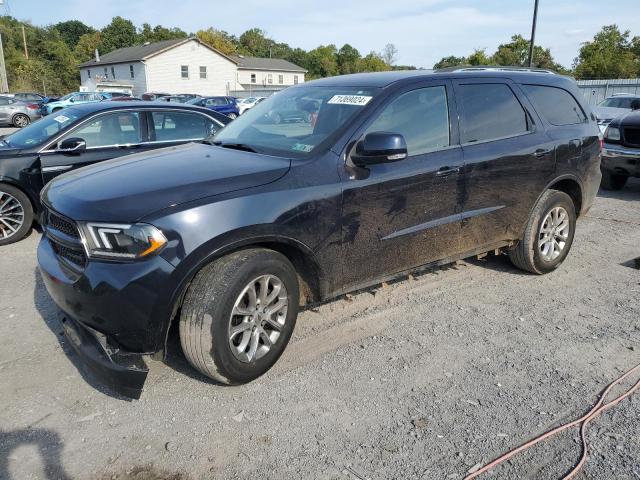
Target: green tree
[[220, 40], [323, 61], [86, 47], [348, 59], [450, 61], [516, 54], [609, 55], [373, 63], [478, 57], [254, 42], [119, 33], [71, 31], [159, 33]]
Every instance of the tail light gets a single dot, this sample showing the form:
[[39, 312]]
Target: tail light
[[33, 106]]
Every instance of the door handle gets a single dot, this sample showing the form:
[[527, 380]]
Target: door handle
[[541, 152], [444, 171]]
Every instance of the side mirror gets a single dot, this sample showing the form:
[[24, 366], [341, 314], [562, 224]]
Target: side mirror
[[380, 147], [72, 145]]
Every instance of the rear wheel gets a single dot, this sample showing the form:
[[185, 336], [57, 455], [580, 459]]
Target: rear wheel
[[548, 235], [21, 120], [238, 315], [16, 214], [613, 181]]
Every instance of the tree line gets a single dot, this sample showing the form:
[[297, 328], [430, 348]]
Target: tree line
[[55, 51]]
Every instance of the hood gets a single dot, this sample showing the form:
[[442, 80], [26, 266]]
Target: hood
[[128, 188], [630, 119], [608, 113]]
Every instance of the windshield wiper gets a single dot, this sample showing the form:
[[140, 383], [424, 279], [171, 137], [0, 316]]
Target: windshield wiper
[[236, 146]]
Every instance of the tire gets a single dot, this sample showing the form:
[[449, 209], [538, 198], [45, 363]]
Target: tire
[[612, 181], [20, 120], [534, 253], [206, 318], [16, 214]]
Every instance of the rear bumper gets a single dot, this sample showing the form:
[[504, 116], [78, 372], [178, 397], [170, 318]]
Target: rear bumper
[[621, 160], [123, 372]]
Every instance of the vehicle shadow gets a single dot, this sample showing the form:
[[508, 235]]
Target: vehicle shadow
[[630, 192], [49, 446], [52, 317], [497, 263]]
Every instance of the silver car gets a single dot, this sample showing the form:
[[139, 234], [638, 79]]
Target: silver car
[[612, 107], [17, 112]]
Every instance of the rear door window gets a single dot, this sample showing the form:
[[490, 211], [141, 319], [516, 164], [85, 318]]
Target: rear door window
[[180, 126], [555, 104], [490, 111], [421, 116]]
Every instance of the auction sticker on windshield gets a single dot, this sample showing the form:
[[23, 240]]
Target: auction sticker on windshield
[[359, 100], [61, 119]]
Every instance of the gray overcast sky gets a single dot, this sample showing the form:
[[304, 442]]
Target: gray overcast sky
[[423, 30]]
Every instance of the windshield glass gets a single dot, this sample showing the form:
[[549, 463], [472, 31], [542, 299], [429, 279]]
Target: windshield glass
[[295, 121], [42, 130], [620, 102]]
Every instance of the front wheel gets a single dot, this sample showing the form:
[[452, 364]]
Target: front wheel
[[612, 181], [21, 120], [16, 214], [548, 235], [238, 315]]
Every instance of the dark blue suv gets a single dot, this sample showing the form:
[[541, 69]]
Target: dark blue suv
[[226, 105]]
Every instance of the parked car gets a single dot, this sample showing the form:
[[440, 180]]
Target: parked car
[[612, 107], [176, 98], [226, 105], [82, 135], [75, 98], [122, 99], [621, 152], [247, 103], [30, 97], [110, 95], [396, 171], [153, 95], [17, 113]]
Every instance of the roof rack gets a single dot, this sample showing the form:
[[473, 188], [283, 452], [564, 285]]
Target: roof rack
[[496, 69]]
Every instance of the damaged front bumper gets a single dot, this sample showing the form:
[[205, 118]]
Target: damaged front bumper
[[123, 372]]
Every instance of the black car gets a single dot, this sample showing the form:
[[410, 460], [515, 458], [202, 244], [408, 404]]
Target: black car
[[81, 135], [394, 171], [621, 153]]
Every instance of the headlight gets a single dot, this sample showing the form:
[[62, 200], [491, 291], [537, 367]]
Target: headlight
[[612, 133], [115, 241]]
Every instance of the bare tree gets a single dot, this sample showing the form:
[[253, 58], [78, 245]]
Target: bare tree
[[389, 54]]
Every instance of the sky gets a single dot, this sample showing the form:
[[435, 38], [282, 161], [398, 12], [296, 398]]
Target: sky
[[423, 31]]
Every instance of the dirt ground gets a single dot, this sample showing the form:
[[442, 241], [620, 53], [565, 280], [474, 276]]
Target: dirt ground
[[425, 378]]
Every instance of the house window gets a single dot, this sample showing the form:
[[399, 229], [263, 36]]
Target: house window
[[253, 78], [295, 79], [280, 79], [270, 78], [203, 72], [106, 73], [184, 71], [88, 73], [131, 71], [113, 73]]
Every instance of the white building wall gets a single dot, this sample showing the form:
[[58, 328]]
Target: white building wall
[[262, 78], [164, 71], [122, 73]]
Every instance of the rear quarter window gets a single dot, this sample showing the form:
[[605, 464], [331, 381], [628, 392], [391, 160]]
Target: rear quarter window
[[555, 104]]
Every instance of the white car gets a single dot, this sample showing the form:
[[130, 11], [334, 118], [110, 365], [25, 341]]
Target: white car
[[248, 103], [612, 107]]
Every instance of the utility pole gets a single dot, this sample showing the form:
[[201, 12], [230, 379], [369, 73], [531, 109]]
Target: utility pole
[[4, 86], [533, 33], [24, 41]]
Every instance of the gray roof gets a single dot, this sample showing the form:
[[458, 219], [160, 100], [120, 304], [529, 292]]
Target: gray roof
[[255, 63], [142, 52]]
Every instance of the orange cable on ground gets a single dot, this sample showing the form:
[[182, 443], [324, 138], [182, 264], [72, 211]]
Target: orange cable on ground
[[597, 409]]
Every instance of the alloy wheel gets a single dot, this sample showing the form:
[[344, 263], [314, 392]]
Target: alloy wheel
[[21, 121], [257, 318], [11, 215], [554, 233]]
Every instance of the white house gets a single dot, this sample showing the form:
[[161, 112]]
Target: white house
[[185, 66]]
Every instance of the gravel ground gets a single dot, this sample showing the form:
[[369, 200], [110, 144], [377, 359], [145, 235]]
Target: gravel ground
[[425, 378]]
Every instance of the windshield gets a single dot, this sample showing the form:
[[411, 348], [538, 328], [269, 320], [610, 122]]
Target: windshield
[[620, 102], [295, 121], [42, 130]]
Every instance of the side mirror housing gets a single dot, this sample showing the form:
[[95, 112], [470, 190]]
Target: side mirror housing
[[72, 145], [380, 147]]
